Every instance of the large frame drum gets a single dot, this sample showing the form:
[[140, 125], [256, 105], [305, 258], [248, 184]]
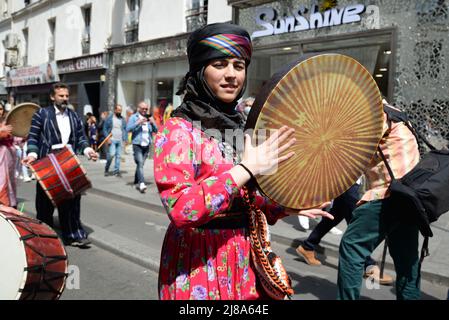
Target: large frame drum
[[20, 118], [335, 107], [33, 261]]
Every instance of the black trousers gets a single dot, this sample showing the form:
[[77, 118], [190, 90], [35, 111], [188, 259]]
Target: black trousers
[[68, 212], [342, 208]]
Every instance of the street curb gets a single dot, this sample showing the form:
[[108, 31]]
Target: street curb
[[324, 250], [124, 199], [131, 255]]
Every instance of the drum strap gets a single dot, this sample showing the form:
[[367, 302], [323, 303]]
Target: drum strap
[[268, 265], [60, 173]]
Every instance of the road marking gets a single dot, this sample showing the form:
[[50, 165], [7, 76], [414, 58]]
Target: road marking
[[156, 226]]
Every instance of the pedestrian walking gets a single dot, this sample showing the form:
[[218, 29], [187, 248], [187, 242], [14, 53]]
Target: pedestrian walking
[[341, 208], [104, 149], [375, 219], [115, 125], [93, 133], [142, 126]]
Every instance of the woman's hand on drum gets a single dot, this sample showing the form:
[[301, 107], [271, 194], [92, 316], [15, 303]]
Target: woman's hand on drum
[[312, 213], [264, 158]]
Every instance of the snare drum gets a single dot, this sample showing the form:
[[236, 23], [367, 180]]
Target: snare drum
[[61, 175], [33, 261]]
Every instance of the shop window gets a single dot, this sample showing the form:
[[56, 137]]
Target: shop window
[[196, 14], [164, 91], [372, 51]]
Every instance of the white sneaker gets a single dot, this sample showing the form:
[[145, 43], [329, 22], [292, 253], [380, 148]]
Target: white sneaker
[[336, 231], [142, 187], [33, 177], [304, 222], [26, 179]]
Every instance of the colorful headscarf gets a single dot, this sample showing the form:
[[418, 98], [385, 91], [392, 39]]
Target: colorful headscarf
[[213, 41], [218, 40]]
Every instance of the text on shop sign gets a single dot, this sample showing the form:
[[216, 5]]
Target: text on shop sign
[[267, 18], [81, 64]]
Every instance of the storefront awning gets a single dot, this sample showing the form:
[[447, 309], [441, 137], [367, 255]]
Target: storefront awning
[[35, 89]]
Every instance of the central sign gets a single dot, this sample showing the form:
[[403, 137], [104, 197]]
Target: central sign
[[82, 64], [268, 19]]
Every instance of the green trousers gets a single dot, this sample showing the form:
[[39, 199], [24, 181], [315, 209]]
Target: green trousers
[[370, 224]]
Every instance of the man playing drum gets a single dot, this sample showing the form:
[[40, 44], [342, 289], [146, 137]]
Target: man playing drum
[[52, 128]]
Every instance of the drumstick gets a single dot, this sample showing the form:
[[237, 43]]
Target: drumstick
[[105, 139]]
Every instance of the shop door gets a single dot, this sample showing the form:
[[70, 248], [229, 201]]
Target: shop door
[[93, 95], [164, 91], [374, 51]]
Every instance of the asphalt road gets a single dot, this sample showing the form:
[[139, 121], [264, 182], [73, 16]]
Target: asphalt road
[[104, 275], [95, 274]]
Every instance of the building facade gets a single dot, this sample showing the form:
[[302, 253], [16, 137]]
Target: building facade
[[127, 51], [149, 65], [109, 51], [403, 43], [48, 41]]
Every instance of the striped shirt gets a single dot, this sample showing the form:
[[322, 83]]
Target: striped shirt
[[400, 148], [45, 132]]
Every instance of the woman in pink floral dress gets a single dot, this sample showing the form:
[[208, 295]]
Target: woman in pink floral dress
[[8, 160], [206, 250]]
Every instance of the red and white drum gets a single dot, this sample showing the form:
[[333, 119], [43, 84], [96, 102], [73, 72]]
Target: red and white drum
[[33, 261], [61, 175]]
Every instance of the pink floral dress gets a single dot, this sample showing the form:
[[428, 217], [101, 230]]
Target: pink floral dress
[[192, 177]]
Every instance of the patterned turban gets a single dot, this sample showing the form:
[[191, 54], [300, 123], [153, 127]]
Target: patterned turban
[[216, 41]]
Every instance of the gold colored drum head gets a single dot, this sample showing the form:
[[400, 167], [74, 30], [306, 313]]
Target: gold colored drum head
[[335, 107]]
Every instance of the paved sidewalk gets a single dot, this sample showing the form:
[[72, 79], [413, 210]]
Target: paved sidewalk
[[287, 231]]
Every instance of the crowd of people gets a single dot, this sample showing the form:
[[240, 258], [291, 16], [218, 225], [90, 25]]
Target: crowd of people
[[115, 132], [56, 126]]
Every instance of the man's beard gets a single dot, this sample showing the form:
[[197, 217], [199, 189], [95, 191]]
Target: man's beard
[[63, 105]]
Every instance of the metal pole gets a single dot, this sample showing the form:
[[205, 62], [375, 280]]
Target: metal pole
[[382, 264]]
